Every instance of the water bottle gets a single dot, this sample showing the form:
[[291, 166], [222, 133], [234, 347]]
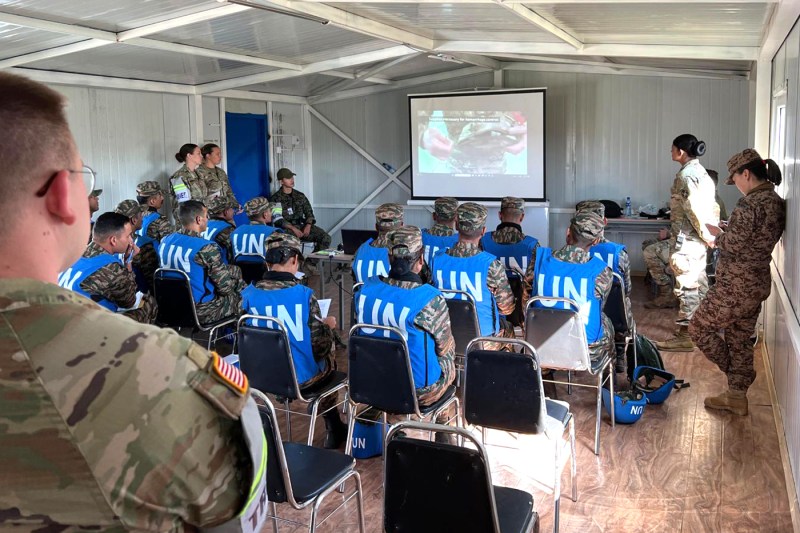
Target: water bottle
[[388, 167], [628, 210]]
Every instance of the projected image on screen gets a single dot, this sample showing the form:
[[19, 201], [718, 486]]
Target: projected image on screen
[[482, 145]]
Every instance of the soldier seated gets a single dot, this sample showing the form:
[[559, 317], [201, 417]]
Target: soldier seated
[[279, 294], [220, 224], [442, 235], [155, 227], [508, 243], [216, 286], [372, 257], [250, 238], [103, 277], [298, 215]]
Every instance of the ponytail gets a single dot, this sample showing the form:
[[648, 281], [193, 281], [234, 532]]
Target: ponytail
[[689, 144], [764, 170]]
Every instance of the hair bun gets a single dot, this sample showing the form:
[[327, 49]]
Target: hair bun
[[699, 148], [179, 157]]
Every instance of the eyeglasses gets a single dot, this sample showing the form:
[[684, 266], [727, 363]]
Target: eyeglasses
[[89, 180]]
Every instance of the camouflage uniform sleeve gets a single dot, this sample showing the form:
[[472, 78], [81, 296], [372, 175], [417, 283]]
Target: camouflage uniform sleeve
[[113, 282], [321, 334], [603, 283], [226, 183], [692, 202], [527, 280], [160, 228], [224, 240], [497, 281], [435, 319], [738, 238], [625, 267], [210, 258], [308, 212]]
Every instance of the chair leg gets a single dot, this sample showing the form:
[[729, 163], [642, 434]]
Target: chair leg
[[274, 517], [569, 382], [312, 422], [288, 420], [555, 516], [599, 413], [359, 499], [611, 385], [573, 465], [557, 481], [352, 411]]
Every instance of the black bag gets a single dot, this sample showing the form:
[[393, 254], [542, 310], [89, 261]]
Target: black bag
[[647, 354], [613, 210]]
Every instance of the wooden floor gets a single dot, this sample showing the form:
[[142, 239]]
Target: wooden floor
[[681, 468]]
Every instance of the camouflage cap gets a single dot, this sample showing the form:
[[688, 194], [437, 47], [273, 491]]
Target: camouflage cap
[[591, 205], [256, 206], [748, 155], [510, 202], [285, 174], [149, 188], [130, 208], [388, 216], [404, 241], [283, 240], [96, 192], [471, 217], [586, 225], [219, 204], [445, 207]]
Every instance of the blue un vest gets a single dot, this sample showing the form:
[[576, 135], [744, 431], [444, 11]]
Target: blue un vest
[[141, 233], [370, 261], [512, 255], [250, 239], [291, 306], [608, 252], [433, 244], [214, 227], [386, 305], [84, 267], [178, 251], [553, 277], [469, 274]]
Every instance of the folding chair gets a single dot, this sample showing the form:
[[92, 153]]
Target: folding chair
[[252, 266], [516, 281], [559, 338], [616, 309], [464, 324]]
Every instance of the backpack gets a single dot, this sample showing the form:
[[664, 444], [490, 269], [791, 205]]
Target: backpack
[[613, 210], [647, 355]]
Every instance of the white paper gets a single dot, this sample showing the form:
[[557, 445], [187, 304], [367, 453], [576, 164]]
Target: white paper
[[324, 306], [137, 305], [299, 274]]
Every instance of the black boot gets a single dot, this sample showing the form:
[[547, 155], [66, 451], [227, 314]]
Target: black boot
[[335, 430]]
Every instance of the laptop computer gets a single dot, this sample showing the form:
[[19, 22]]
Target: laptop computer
[[353, 238]]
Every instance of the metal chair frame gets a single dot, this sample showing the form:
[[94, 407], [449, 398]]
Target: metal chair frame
[[459, 357], [630, 335]]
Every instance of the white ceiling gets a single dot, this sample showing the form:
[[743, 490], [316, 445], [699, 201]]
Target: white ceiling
[[210, 47]]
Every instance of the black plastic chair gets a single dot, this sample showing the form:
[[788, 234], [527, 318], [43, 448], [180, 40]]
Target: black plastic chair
[[515, 280], [616, 309], [354, 303], [265, 357], [464, 324], [432, 487], [380, 376], [252, 266], [559, 338], [503, 390], [176, 308], [301, 475]]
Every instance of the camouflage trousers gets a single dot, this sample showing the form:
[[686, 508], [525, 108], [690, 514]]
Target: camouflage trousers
[[506, 332], [223, 305], [722, 330], [330, 366], [691, 283], [604, 346], [146, 313], [319, 237], [147, 262], [431, 393], [656, 257]]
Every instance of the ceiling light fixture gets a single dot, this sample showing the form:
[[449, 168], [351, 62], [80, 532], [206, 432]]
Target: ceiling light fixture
[[278, 10], [445, 57]]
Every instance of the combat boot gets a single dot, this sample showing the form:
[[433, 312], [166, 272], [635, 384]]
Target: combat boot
[[680, 342], [734, 401], [335, 430], [665, 299]]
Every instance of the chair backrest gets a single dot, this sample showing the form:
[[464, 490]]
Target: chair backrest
[[354, 303], [279, 488], [616, 307], [463, 318], [431, 487], [252, 265], [173, 292], [515, 280], [503, 389], [265, 356], [557, 335], [379, 370]]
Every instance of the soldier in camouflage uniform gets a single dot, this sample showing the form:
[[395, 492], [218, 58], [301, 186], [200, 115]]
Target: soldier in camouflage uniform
[[692, 206], [216, 180], [656, 256], [220, 211], [298, 216], [135, 212], [723, 211], [185, 183], [154, 228], [226, 279], [93, 406], [733, 304], [471, 227], [284, 255], [444, 217], [509, 231], [405, 245]]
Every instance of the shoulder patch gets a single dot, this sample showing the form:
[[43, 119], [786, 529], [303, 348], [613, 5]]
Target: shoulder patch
[[229, 375]]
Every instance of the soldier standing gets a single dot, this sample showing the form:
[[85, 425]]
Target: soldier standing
[[298, 215], [93, 420], [185, 183], [155, 227], [743, 277], [216, 180]]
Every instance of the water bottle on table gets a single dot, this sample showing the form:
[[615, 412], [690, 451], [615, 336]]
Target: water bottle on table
[[628, 209]]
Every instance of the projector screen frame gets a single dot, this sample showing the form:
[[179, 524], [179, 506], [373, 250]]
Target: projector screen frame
[[413, 133]]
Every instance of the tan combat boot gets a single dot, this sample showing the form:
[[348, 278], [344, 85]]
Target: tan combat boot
[[680, 342], [734, 401], [665, 299]]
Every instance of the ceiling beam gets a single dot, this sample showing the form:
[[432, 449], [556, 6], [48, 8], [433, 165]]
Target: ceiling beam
[[362, 77], [313, 68], [57, 27], [261, 97], [479, 61], [535, 18], [732, 53], [350, 76], [553, 2], [102, 82], [155, 44], [572, 65], [177, 22], [51, 53]]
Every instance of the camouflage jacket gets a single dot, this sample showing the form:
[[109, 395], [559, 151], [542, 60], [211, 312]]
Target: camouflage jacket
[[624, 266], [113, 282], [95, 426], [321, 335], [723, 211], [508, 233], [692, 203], [226, 278], [196, 185], [746, 246], [216, 181], [440, 230], [381, 241], [496, 279], [223, 238], [160, 227], [296, 207]]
